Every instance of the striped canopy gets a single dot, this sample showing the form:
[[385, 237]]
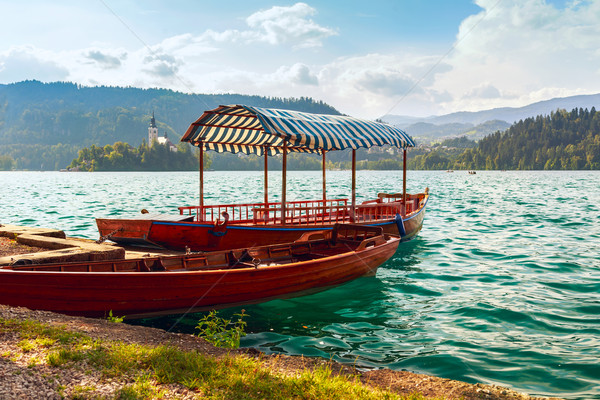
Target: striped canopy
[[254, 130]]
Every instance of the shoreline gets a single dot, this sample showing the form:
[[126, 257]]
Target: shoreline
[[28, 373]]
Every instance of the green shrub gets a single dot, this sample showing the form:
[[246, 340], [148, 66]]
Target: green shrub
[[222, 332]]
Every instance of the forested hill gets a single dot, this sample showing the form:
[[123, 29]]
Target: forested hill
[[43, 125], [562, 140]]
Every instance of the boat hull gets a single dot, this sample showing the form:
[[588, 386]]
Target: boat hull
[[204, 237], [140, 294]]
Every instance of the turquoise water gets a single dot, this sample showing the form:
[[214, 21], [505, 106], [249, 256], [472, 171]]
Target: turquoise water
[[502, 285]]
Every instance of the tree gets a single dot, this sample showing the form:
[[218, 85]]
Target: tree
[[6, 163]]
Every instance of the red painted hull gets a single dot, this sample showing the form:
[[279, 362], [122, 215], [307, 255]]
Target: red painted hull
[[202, 236], [136, 294]]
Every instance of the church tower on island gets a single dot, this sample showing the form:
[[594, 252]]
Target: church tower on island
[[152, 131], [153, 135]]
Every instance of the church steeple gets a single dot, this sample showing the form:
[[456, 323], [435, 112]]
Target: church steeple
[[152, 131]]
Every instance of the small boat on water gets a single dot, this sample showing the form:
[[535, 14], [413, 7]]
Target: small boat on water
[[269, 132], [151, 286]]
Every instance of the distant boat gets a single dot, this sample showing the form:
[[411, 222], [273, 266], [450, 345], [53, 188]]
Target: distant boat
[[450, 170], [472, 172], [264, 132], [194, 282]]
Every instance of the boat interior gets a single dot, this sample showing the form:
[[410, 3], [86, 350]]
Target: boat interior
[[343, 238]]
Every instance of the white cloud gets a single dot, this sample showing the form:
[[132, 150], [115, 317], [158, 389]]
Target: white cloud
[[186, 45], [106, 60], [26, 62], [512, 53], [282, 25], [276, 26], [522, 49], [298, 74], [484, 91], [372, 84]]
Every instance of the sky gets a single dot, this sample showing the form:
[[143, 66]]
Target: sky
[[365, 58]]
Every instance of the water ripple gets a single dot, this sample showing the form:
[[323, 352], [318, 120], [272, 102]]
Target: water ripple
[[502, 285]]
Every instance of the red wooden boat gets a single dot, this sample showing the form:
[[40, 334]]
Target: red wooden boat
[[186, 283], [249, 227], [261, 131]]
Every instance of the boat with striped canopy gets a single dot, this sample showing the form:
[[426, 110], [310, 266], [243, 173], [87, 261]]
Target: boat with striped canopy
[[268, 132]]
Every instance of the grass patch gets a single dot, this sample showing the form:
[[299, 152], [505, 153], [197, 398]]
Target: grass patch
[[228, 377], [62, 356], [34, 330], [27, 345], [142, 389], [83, 393]]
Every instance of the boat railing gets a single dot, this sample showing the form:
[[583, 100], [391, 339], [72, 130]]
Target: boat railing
[[340, 213], [413, 201], [378, 211], [214, 213], [268, 212], [308, 212]]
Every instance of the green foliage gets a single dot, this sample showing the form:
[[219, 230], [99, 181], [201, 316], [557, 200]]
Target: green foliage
[[222, 332], [142, 389], [37, 156], [122, 157], [560, 141], [83, 393], [34, 330], [242, 162], [63, 356], [46, 124], [114, 319], [6, 163], [461, 142]]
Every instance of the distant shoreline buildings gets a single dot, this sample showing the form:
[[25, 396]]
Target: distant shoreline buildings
[[153, 136]]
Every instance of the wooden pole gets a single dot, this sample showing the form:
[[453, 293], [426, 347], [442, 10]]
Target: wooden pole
[[324, 180], [323, 162], [266, 176], [404, 184], [352, 215], [283, 182], [201, 168]]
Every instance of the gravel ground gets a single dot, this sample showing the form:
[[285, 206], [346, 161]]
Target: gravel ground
[[9, 247]]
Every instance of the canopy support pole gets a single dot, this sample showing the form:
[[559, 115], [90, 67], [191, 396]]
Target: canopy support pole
[[404, 184], [353, 213], [283, 182], [201, 169], [266, 176], [324, 187]]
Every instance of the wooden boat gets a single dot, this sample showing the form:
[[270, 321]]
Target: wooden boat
[[251, 228], [193, 282], [261, 131]]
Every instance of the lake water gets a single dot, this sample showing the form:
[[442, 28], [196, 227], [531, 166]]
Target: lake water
[[501, 286]]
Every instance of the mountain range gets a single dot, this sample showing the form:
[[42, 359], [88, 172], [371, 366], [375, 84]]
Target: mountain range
[[44, 125], [478, 124]]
